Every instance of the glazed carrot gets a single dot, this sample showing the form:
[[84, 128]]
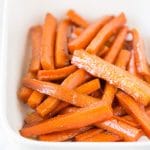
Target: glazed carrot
[[47, 43], [119, 111], [47, 75], [104, 51], [122, 129], [61, 53], [77, 19], [140, 57], [71, 82], [35, 99], [89, 87], [62, 136], [88, 34], [60, 92], [105, 33], [68, 109], [89, 133], [97, 112], [103, 137], [117, 45], [135, 110], [77, 31], [36, 35], [113, 74]]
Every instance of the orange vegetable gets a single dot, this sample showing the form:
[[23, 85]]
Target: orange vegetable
[[77, 31], [62, 136], [135, 110], [89, 133], [140, 57], [47, 43], [88, 34], [60, 92], [61, 53], [36, 35], [105, 33], [68, 109], [56, 74], [98, 112], [117, 45], [119, 111], [114, 75], [77, 19], [104, 51]]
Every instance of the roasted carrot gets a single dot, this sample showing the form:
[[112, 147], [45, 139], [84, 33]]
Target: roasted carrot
[[96, 113], [47, 43], [68, 109], [135, 110], [88, 34], [119, 111], [36, 35], [77, 19], [63, 135], [113, 74], [117, 45], [35, 99], [122, 129], [56, 74], [103, 137], [105, 33], [71, 82], [60, 92], [61, 53], [104, 51], [89, 133], [77, 31], [140, 57]]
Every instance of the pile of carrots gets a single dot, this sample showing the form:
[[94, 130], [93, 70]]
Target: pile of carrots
[[87, 82]]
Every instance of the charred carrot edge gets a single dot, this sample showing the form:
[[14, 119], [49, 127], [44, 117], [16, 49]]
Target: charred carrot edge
[[135, 110], [104, 51], [35, 99], [89, 133], [89, 87], [71, 82], [88, 34], [117, 45], [36, 35], [103, 137], [77, 31], [96, 113], [113, 74], [68, 109], [122, 129], [119, 111], [77, 19], [63, 135], [105, 33], [60, 92], [140, 58], [61, 53], [47, 75], [47, 43]]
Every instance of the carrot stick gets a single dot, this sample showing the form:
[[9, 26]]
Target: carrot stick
[[105, 33], [104, 51], [135, 110], [62, 136], [47, 75], [88, 34], [36, 35], [77, 19], [60, 92], [77, 31], [119, 111], [122, 129], [71, 82], [47, 43], [140, 57], [103, 137], [35, 99], [68, 109], [89, 133], [61, 53], [98, 112], [113, 74], [117, 45]]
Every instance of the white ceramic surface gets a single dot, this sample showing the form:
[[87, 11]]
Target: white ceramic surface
[[18, 16]]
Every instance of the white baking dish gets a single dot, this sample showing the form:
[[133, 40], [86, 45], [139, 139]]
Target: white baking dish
[[18, 16]]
